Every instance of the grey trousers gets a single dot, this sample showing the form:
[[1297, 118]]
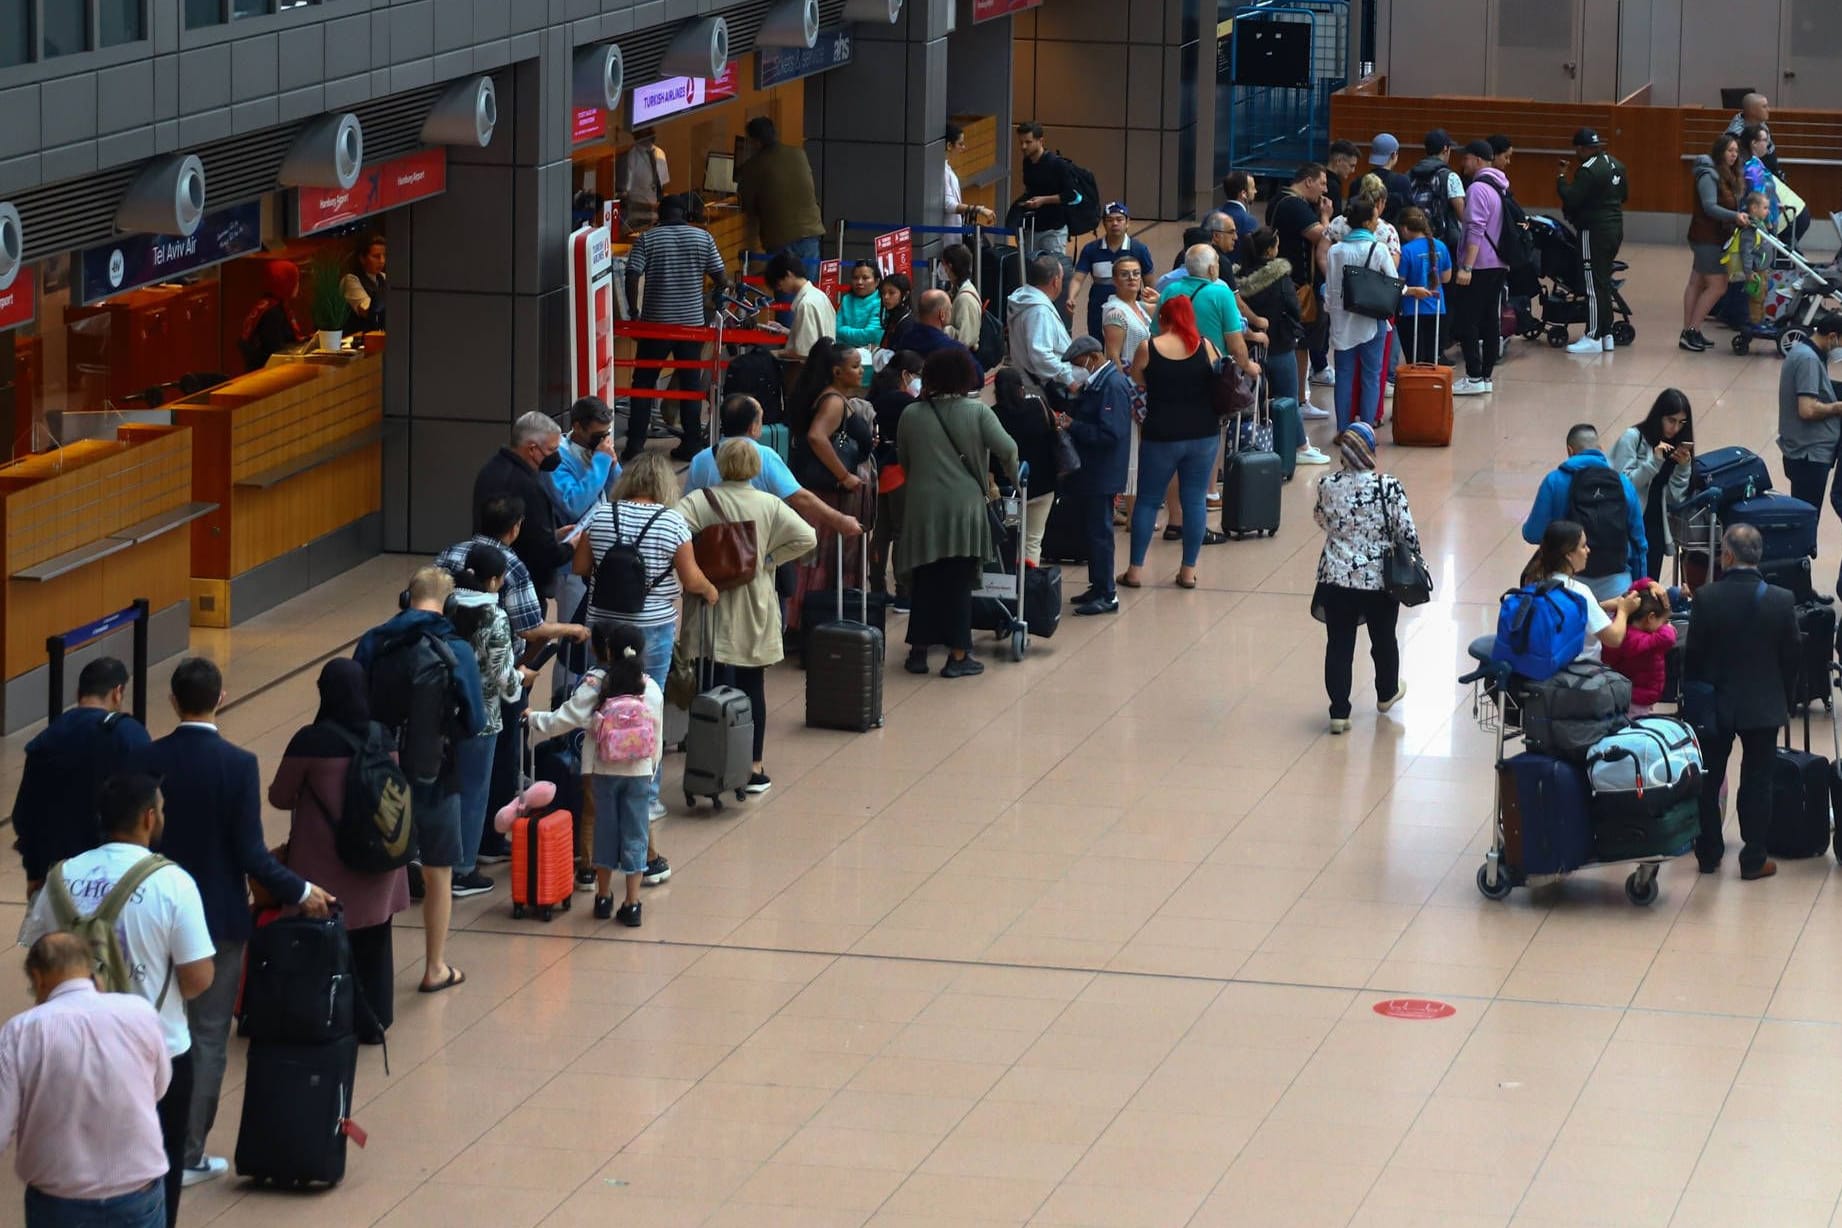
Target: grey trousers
[[209, 1017]]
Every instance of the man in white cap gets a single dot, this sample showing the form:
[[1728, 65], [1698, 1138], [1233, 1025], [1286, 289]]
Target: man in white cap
[[1384, 152]]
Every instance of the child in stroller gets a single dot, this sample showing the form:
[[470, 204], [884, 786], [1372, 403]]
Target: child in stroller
[[1563, 299], [1793, 293]]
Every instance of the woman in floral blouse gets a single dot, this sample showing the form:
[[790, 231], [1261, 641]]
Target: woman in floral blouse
[[1362, 513]]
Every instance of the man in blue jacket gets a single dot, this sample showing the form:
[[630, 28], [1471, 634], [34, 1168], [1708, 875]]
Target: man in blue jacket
[[1101, 426], [434, 801], [1587, 490], [54, 816], [213, 802]]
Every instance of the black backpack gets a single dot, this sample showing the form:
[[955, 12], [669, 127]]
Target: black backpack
[[1515, 245], [373, 834], [1083, 212], [412, 695], [621, 583], [1596, 502], [299, 988], [755, 372], [1426, 191], [990, 351]]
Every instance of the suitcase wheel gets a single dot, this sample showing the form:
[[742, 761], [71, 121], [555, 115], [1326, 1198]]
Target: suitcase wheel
[[1020, 643], [518, 912], [545, 914], [1501, 889], [741, 796], [1557, 336], [1641, 886], [567, 901]]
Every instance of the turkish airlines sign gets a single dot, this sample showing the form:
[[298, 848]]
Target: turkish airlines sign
[[388, 185]]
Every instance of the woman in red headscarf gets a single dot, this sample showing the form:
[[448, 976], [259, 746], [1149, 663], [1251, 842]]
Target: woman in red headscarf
[[270, 328]]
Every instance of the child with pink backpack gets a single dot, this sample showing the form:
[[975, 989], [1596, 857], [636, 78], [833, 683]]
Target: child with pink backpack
[[623, 711]]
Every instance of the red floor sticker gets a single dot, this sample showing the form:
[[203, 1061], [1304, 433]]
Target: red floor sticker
[[1415, 1008]]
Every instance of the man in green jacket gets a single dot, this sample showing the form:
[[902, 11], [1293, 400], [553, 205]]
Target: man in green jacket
[[1595, 203], [776, 193]]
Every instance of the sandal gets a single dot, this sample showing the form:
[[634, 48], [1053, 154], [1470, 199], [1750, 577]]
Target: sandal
[[1181, 583], [1125, 583], [455, 977], [1173, 533]]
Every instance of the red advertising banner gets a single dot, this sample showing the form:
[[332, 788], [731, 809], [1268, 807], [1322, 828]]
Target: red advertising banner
[[18, 304], [828, 279], [591, 124], [386, 185], [985, 10], [895, 253]]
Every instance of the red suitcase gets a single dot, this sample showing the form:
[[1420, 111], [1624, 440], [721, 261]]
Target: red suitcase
[[543, 859], [1423, 404]]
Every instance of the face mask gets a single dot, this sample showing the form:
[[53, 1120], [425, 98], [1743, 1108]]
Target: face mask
[[913, 384], [550, 462]]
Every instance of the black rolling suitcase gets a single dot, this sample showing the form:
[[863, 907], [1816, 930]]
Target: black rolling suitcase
[[819, 608], [1816, 623], [297, 1107], [1251, 485], [1803, 788], [844, 668], [1064, 538]]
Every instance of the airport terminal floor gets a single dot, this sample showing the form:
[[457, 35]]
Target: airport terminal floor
[[1097, 938]]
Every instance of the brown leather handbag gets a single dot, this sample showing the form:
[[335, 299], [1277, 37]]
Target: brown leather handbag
[[726, 551]]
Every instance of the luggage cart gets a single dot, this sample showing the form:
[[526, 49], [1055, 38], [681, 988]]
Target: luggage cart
[[1812, 290], [1007, 586], [1497, 708]]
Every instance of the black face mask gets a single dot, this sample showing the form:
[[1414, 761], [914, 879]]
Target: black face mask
[[550, 462]]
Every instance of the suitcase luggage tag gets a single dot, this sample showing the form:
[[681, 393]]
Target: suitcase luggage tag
[[354, 1131]]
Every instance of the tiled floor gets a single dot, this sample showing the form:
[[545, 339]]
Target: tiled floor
[[1095, 939]]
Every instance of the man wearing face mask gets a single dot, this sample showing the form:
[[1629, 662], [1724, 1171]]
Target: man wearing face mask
[[585, 475], [518, 470]]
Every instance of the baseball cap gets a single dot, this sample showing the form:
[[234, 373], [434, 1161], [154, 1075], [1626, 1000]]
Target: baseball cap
[[1586, 137], [1383, 147], [590, 409], [1438, 141], [1481, 149], [1082, 347], [1117, 206]]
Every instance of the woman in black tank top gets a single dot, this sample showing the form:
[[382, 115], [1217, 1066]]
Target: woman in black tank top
[[1179, 436]]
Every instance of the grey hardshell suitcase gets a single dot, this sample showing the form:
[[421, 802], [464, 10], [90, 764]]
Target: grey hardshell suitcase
[[1251, 487], [844, 667], [719, 747]]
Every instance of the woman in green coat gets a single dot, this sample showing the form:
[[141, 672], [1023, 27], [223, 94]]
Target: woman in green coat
[[945, 443]]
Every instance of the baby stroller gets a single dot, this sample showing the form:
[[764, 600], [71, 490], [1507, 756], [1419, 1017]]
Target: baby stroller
[[1563, 298], [1795, 291]]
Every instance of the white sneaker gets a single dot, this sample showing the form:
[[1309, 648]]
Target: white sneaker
[[1309, 455], [1312, 413], [208, 1168], [1339, 725], [1610, 345], [658, 812], [1327, 378], [1399, 694], [1465, 386], [1485, 387], [1587, 345]]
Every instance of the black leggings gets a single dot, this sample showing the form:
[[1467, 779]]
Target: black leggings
[[375, 971], [1344, 610], [751, 680]]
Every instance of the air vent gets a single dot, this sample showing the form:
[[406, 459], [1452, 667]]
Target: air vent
[[643, 51]]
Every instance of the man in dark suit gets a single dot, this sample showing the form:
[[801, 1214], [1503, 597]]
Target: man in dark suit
[[213, 795], [1743, 643]]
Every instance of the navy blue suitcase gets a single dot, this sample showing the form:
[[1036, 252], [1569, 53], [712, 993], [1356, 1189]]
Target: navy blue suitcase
[[1547, 823], [1737, 473], [1787, 525]]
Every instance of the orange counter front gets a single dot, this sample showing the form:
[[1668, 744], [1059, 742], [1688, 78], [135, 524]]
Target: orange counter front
[[293, 457], [88, 528]]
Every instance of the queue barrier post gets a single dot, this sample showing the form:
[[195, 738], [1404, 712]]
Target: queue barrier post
[[58, 646]]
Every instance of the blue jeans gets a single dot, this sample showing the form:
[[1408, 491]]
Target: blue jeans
[[806, 249], [1605, 588], [473, 771], [1281, 371], [1359, 378], [621, 822], [142, 1209], [1192, 461], [656, 661]]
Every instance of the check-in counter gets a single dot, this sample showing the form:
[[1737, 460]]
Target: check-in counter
[[293, 457], [89, 528]]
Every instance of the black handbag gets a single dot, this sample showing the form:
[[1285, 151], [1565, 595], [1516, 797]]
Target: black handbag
[[1067, 456], [1367, 291], [1404, 571]]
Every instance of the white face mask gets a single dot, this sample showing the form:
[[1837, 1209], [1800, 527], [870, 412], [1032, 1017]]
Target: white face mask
[[913, 384]]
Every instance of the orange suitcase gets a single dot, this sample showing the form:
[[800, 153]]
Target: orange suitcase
[[543, 863], [1423, 404]]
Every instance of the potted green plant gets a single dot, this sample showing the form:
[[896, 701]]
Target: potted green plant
[[327, 302]]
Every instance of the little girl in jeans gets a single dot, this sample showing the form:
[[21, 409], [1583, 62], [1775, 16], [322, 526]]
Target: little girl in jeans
[[623, 711], [1641, 657]]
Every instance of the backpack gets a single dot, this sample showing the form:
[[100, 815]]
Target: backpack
[[1083, 212], [1596, 502], [1567, 714], [298, 985], [1515, 243], [412, 695], [1540, 628], [990, 351], [621, 583], [624, 729], [755, 372], [373, 833], [114, 970], [1426, 190]]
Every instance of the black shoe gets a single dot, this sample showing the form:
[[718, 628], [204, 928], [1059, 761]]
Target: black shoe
[[471, 884], [1087, 595], [495, 849], [1703, 338], [686, 452], [899, 604], [1691, 341], [416, 890], [962, 667], [1173, 533], [628, 915], [604, 907], [916, 663], [657, 871], [1211, 538], [758, 783], [585, 879], [1105, 604]]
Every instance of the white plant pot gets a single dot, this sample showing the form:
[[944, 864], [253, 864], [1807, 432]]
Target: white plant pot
[[330, 339]]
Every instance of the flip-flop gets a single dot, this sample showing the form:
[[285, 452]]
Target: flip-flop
[[455, 977], [1121, 579]]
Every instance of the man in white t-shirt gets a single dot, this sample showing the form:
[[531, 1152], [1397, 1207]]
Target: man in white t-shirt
[[813, 315], [163, 934]]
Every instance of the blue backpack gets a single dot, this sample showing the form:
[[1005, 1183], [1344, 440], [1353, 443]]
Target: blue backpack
[[1540, 628]]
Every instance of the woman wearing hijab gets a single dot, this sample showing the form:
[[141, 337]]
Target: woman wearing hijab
[[270, 326], [310, 784]]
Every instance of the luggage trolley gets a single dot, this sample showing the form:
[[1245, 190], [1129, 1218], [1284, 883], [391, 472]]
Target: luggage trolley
[[1497, 708], [1003, 586]]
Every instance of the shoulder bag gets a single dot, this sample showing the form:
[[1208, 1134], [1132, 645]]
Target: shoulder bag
[[1367, 291], [994, 513], [1404, 572], [811, 471], [726, 551]]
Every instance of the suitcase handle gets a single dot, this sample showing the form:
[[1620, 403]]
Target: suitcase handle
[[863, 578]]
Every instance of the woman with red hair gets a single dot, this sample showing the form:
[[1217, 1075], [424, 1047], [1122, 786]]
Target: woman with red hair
[[270, 328], [1179, 436]]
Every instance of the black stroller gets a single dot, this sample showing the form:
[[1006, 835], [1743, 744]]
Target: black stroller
[[1563, 297]]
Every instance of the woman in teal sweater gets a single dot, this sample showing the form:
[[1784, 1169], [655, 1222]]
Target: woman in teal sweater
[[860, 312]]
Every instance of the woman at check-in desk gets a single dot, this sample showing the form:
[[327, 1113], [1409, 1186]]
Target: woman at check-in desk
[[365, 285]]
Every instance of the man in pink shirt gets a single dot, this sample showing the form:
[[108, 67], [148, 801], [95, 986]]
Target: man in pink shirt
[[1478, 284], [80, 1074]]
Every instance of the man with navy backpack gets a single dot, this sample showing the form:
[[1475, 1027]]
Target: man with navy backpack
[[1587, 490]]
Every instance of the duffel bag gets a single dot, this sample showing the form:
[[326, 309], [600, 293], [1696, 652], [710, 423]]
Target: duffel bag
[[1540, 628], [1565, 715], [1646, 768], [1669, 834]]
